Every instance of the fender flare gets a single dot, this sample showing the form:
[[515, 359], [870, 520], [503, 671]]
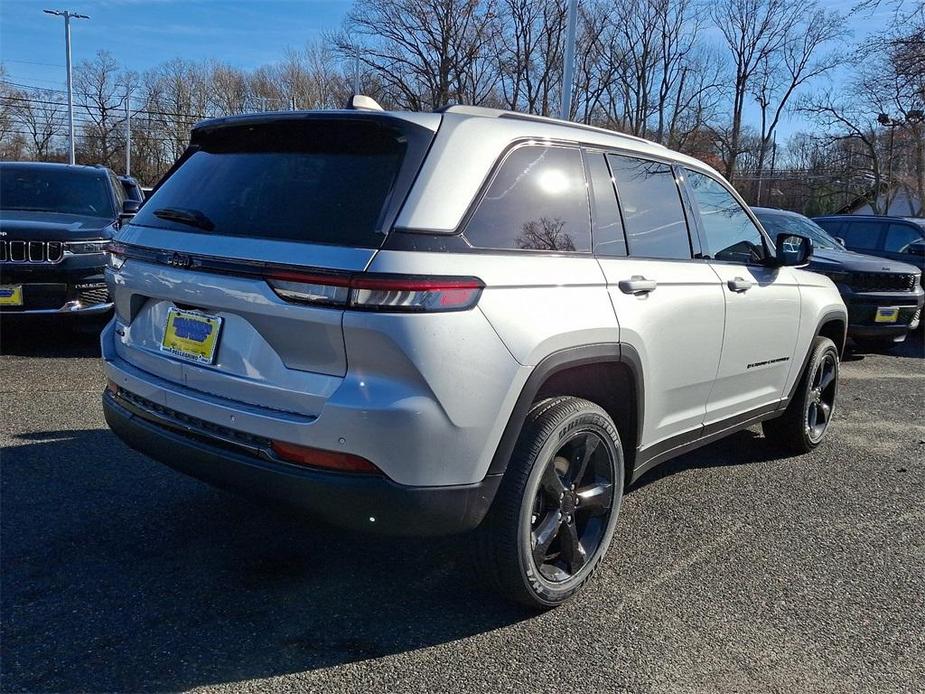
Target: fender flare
[[602, 352], [827, 317]]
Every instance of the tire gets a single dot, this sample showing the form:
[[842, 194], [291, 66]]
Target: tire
[[570, 534], [799, 430]]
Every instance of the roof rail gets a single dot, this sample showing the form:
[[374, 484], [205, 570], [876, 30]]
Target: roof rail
[[486, 112]]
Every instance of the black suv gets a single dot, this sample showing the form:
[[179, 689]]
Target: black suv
[[896, 238], [55, 221], [884, 297]]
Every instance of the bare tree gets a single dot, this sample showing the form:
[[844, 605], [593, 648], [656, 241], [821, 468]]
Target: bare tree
[[423, 51], [42, 115], [781, 73], [754, 31], [97, 94]]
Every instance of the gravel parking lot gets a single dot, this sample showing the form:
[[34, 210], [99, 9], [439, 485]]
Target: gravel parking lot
[[733, 570]]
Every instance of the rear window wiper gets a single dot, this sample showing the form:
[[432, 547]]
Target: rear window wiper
[[193, 218]]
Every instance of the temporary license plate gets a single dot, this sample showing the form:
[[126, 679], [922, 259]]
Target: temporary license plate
[[191, 335], [11, 295], [887, 315]]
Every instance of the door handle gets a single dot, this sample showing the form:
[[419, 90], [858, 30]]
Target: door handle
[[740, 285], [637, 285]]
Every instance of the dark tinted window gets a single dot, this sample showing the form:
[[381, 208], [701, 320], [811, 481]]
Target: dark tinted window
[[729, 233], [53, 189], [652, 211], [831, 226], [861, 234], [538, 201], [899, 237], [608, 227], [321, 182]]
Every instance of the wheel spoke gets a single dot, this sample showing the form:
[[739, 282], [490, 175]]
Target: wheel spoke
[[595, 499], [572, 550], [824, 411], [551, 483], [544, 534], [812, 415], [589, 445], [827, 377]]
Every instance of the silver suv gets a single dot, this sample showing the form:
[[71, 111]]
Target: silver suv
[[470, 320]]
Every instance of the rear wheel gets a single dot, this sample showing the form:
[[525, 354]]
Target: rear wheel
[[555, 512], [804, 423]]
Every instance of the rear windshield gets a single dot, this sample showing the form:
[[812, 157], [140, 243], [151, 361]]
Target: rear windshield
[[52, 189], [313, 181]]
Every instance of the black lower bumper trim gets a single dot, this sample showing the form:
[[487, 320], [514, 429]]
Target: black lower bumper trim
[[356, 501]]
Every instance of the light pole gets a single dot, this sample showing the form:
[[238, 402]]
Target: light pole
[[568, 69], [70, 89]]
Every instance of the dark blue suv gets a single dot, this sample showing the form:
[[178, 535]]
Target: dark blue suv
[[884, 297]]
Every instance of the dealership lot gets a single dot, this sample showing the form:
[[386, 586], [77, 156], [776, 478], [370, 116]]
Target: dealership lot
[[733, 569]]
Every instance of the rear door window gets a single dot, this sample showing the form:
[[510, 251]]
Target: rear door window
[[861, 235], [729, 233], [652, 211], [314, 181], [537, 201]]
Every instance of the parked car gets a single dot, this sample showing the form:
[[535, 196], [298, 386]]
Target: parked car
[[896, 238], [421, 323], [884, 297], [132, 189], [55, 221]]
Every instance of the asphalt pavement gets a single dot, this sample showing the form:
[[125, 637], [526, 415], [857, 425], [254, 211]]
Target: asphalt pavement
[[733, 569]]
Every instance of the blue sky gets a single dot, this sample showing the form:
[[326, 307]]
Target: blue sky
[[143, 33]]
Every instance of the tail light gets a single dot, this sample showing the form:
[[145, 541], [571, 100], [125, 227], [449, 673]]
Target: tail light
[[320, 458], [379, 292]]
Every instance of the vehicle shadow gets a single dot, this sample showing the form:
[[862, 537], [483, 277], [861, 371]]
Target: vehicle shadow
[[50, 338], [745, 447], [120, 574]]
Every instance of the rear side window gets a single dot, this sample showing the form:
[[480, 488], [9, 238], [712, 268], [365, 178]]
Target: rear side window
[[899, 237], [652, 210], [608, 226], [729, 233], [537, 201], [861, 235], [314, 181]]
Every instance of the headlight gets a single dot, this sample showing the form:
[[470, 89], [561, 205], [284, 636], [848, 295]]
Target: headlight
[[87, 247]]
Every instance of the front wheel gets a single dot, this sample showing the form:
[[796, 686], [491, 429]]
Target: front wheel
[[805, 421], [556, 509]]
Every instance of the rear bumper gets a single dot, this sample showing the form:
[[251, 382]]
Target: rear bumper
[[356, 501]]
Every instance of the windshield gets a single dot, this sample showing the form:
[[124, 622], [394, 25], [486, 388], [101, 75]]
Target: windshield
[[796, 224], [315, 181], [61, 190]]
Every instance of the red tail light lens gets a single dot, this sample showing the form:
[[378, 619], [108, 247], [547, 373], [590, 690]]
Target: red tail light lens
[[379, 292], [320, 458]]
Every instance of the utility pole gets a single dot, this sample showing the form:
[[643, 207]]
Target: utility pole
[[70, 88], [128, 129], [568, 69]]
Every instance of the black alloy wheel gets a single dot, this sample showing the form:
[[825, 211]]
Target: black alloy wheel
[[572, 506]]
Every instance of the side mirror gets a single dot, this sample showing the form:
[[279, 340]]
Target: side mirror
[[917, 248], [130, 207], [793, 250]]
